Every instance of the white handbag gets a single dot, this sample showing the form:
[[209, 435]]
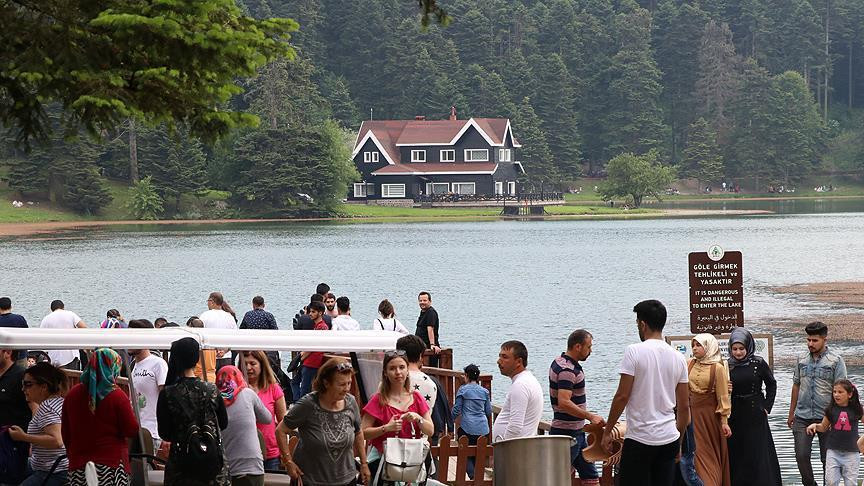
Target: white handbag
[[404, 460]]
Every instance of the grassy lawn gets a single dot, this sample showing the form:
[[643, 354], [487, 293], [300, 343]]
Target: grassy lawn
[[371, 211]]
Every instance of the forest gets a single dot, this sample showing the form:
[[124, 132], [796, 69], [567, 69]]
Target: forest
[[762, 90]]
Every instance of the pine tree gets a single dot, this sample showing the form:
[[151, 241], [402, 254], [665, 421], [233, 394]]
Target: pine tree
[[485, 94], [335, 91], [702, 157], [535, 153], [553, 101], [718, 81], [518, 76]]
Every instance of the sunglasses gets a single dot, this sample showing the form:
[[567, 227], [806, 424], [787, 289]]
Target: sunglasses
[[344, 366], [400, 353]]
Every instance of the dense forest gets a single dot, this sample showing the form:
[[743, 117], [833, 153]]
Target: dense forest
[[721, 90]]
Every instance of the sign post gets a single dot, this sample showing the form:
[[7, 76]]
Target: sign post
[[716, 291]]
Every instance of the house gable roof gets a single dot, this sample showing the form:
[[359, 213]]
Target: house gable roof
[[389, 135]]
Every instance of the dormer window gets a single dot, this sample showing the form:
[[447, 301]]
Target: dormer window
[[418, 156], [505, 155], [370, 157]]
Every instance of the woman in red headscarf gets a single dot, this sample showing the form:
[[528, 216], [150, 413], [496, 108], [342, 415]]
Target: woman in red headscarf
[[98, 421], [240, 438]]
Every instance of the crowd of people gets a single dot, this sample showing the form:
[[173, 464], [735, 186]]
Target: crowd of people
[[702, 421]]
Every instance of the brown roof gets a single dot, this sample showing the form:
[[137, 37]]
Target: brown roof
[[420, 132], [436, 168]]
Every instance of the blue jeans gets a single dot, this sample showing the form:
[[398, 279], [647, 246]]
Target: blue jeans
[[585, 469], [38, 478], [306, 376], [272, 464], [688, 455]]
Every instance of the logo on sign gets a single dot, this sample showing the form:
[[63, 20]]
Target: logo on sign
[[715, 253]]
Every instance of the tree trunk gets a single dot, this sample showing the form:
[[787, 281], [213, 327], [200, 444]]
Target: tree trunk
[[133, 152], [827, 56]]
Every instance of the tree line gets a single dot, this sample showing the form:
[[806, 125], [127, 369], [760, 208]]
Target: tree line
[[717, 90]]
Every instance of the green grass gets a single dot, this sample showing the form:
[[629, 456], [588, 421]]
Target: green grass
[[372, 211], [41, 213]]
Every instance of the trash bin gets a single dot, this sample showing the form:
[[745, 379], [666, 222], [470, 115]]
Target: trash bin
[[542, 460]]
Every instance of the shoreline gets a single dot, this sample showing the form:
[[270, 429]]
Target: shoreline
[[52, 227]]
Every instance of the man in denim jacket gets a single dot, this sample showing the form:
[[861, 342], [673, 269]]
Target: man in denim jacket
[[812, 384]]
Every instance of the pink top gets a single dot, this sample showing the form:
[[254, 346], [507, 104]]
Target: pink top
[[383, 414], [269, 396]]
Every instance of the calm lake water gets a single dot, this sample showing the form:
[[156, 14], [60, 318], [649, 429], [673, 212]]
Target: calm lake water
[[491, 281]]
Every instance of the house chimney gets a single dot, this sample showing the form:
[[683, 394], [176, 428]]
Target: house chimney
[[452, 113], [420, 118]]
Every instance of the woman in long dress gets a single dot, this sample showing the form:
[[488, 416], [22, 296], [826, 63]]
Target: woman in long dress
[[752, 457], [710, 409]]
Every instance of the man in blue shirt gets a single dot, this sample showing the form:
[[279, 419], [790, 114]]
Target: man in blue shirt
[[8, 319], [258, 318], [812, 385]]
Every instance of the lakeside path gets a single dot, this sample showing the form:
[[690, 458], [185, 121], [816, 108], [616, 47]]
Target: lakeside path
[[30, 229]]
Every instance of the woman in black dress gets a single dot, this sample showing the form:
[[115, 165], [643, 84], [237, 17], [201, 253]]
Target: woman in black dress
[[752, 457]]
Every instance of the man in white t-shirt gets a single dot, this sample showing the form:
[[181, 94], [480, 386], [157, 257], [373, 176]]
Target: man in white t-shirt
[[523, 406], [652, 386], [60, 318], [344, 321], [148, 377]]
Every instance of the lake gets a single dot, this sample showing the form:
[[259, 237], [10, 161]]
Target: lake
[[535, 281]]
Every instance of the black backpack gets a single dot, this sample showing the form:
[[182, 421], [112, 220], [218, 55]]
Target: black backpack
[[201, 449]]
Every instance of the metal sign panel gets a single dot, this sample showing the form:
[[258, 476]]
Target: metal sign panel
[[716, 291]]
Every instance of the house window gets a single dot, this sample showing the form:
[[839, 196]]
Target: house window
[[362, 189], [370, 157], [392, 190], [504, 155], [476, 155], [499, 188], [448, 156], [511, 188], [418, 156], [437, 188], [465, 188]]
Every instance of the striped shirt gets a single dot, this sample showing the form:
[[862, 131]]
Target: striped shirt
[[48, 413], [565, 373]]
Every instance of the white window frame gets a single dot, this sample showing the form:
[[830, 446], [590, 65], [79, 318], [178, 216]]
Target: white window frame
[[452, 155], [472, 159], [388, 189], [430, 186], [511, 188], [505, 155], [362, 187], [370, 157], [415, 155], [457, 191], [499, 188]]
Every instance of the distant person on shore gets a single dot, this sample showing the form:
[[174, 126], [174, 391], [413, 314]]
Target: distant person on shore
[[569, 402], [652, 385], [113, 320], [330, 305], [219, 315], [386, 320], [60, 318], [185, 402], [710, 408], [813, 380], [343, 321], [841, 423], [473, 406], [98, 422], [149, 373], [752, 456], [427, 326], [523, 406], [258, 318], [10, 319], [44, 385]]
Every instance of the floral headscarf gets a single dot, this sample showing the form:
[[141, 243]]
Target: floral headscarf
[[712, 348], [100, 376], [743, 337], [230, 382]]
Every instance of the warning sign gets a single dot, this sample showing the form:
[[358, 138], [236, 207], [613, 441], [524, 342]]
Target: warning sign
[[716, 291]]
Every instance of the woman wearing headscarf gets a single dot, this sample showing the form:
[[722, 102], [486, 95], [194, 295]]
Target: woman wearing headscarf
[[752, 457], [187, 407], [240, 438], [709, 410], [98, 422]]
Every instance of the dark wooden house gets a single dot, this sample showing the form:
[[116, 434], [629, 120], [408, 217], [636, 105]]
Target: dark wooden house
[[408, 159]]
